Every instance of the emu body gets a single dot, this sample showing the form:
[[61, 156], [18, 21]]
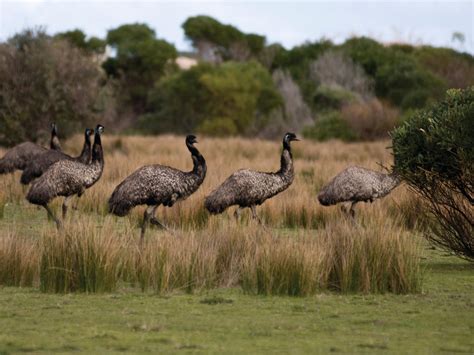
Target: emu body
[[18, 157], [356, 184], [68, 178], [36, 167], [249, 188], [155, 185]]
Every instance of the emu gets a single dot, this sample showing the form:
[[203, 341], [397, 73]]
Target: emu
[[155, 185], [248, 188], [18, 157], [68, 178], [35, 168], [356, 184]]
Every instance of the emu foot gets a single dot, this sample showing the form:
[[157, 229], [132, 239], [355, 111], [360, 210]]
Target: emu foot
[[157, 223]]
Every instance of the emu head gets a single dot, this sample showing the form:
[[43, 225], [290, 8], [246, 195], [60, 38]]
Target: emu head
[[190, 140], [287, 138], [99, 129], [88, 132]]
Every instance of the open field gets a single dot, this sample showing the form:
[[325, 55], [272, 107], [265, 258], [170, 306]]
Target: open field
[[375, 286], [439, 320]]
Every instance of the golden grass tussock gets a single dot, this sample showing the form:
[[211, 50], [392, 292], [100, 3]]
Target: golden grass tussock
[[305, 248]]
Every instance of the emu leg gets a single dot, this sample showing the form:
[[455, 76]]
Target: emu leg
[[254, 214], [237, 213], [76, 202], [351, 210], [59, 225], [154, 221], [146, 219], [65, 206]]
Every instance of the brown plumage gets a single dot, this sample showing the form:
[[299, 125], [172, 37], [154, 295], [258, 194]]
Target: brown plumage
[[356, 184], [249, 188], [155, 185], [36, 167], [68, 178], [18, 157]]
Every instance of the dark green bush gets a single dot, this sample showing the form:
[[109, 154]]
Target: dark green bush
[[330, 125], [434, 153], [232, 98], [398, 76], [46, 80]]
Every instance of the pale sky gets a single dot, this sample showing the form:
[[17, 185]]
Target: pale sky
[[287, 22]]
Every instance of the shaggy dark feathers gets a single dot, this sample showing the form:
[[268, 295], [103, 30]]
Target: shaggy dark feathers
[[68, 177], [155, 185], [35, 168], [18, 157], [356, 184], [247, 188]]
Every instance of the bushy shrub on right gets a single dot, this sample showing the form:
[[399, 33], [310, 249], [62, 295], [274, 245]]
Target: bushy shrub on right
[[434, 154]]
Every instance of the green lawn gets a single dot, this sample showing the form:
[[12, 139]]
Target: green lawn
[[440, 320]]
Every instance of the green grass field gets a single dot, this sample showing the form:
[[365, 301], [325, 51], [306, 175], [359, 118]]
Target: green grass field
[[440, 320]]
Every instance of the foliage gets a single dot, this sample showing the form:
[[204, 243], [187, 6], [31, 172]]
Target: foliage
[[45, 80], [77, 38], [297, 61], [336, 70], [216, 41], [233, 98], [434, 153], [140, 60], [398, 76], [370, 120], [330, 125], [456, 69]]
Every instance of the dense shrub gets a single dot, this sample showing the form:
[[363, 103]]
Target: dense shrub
[[456, 69], [328, 126], [46, 80], [370, 120], [397, 74], [232, 98], [327, 98], [336, 70], [434, 153]]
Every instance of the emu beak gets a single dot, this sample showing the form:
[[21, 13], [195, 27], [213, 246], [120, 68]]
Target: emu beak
[[296, 139]]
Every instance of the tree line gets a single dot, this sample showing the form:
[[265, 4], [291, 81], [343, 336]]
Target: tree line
[[240, 84]]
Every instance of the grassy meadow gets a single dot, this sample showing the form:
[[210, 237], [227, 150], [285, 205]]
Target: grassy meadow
[[211, 284]]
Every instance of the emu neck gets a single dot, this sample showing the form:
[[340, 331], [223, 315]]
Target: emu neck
[[54, 143], [97, 153], [85, 155], [286, 163], [391, 181], [199, 163]]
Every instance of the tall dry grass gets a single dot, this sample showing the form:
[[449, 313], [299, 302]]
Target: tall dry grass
[[344, 257], [306, 248]]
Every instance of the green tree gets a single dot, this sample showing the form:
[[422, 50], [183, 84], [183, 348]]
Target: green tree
[[93, 45], [216, 41], [140, 60], [434, 154], [233, 98]]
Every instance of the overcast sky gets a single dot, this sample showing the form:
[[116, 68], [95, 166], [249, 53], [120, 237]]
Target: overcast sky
[[287, 22]]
